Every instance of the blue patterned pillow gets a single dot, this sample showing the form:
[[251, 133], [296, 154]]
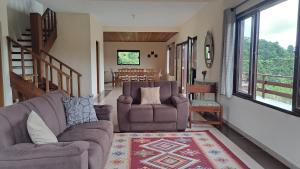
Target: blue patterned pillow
[[79, 110]]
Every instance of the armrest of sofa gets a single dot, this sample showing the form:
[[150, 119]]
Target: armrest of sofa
[[59, 155], [182, 105], [103, 112], [123, 109], [125, 99], [176, 100]]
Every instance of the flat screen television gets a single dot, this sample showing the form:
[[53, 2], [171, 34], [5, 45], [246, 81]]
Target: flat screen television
[[128, 57]]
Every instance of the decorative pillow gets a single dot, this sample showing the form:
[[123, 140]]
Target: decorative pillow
[[38, 130], [79, 110], [150, 95]]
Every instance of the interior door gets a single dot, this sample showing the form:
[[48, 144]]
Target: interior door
[[185, 66], [1, 76], [98, 66], [172, 59], [178, 64], [192, 60]]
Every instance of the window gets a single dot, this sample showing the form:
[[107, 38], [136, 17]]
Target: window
[[245, 53], [265, 56], [128, 57]]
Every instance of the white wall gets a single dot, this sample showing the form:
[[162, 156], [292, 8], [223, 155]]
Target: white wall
[[72, 45], [18, 15], [96, 34], [275, 131], [76, 46], [110, 55], [3, 43], [209, 18]]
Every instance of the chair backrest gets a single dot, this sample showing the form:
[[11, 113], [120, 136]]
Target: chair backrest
[[167, 90], [202, 88], [13, 119]]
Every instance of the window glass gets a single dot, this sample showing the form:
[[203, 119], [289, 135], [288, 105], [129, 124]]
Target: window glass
[[275, 60], [245, 38]]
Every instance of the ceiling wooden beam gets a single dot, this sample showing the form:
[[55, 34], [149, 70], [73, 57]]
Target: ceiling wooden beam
[[138, 36]]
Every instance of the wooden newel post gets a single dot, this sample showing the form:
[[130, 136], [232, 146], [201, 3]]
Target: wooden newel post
[[37, 39]]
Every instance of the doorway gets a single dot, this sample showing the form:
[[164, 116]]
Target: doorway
[[1, 76], [98, 66]]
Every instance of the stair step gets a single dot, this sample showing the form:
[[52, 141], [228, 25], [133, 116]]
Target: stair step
[[19, 53], [26, 34], [19, 60], [26, 46], [20, 67], [44, 30], [27, 71], [24, 40]]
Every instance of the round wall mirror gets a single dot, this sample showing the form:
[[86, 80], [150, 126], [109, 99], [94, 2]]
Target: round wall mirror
[[209, 50]]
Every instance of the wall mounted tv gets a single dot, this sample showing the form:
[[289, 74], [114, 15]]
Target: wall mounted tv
[[128, 57]]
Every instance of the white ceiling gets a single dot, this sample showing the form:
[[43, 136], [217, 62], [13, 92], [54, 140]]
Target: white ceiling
[[148, 13]]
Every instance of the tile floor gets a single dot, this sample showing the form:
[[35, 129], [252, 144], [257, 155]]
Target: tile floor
[[259, 155]]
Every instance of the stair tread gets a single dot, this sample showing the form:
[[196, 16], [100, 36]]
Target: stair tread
[[26, 60], [20, 52], [20, 67], [26, 34], [26, 46], [24, 40]]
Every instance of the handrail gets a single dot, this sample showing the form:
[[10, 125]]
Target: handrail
[[45, 13], [265, 82], [47, 64], [37, 57], [60, 62]]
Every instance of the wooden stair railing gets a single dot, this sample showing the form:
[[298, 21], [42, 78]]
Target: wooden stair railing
[[48, 75], [44, 30], [64, 68]]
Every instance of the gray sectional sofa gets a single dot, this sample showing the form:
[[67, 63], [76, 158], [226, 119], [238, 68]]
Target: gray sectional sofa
[[171, 115], [84, 146]]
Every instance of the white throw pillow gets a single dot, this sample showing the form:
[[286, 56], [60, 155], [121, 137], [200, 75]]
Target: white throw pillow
[[39, 131], [150, 95]]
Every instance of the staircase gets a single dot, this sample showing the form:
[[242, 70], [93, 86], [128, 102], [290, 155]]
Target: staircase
[[33, 71]]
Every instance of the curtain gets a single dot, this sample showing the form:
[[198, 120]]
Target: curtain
[[229, 31]]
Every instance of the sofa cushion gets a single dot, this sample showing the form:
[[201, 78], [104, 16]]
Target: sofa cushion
[[97, 158], [150, 95], [101, 125], [79, 110], [38, 131], [141, 113], [164, 113], [93, 135], [134, 89]]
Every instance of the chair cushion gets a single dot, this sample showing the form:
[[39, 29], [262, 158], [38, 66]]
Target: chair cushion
[[141, 113], [79, 110], [208, 103], [164, 113]]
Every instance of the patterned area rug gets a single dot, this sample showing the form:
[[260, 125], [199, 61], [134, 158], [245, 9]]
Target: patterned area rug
[[186, 150]]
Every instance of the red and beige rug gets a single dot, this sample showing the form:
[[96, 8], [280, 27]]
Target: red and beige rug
[[186, 150]]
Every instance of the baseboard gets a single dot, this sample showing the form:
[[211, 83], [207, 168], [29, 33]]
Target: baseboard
[[262, 146]]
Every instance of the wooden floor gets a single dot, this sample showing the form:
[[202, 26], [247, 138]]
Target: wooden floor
[[259, 155]]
